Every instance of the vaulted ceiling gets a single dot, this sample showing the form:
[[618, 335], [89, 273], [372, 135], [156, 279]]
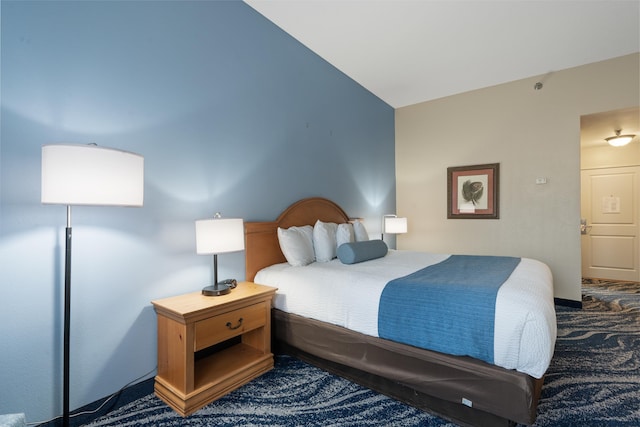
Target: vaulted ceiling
[[410, 51]]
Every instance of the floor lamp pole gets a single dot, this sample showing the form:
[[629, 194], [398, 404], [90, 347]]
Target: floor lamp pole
[[67, 319]]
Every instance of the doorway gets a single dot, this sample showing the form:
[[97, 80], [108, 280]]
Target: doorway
[[610, 193]]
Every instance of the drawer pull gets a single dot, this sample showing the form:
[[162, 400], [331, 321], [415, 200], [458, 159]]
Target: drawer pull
[[235, 327]]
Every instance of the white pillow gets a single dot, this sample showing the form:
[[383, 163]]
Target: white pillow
[[324, 240], [360, 231], [296, 244], [345, 234]]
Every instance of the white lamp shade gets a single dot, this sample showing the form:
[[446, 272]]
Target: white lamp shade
[[619, 141], [219, 235], [74, 174], [395, 225]]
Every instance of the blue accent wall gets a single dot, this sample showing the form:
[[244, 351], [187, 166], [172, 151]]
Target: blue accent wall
[[230, 113]]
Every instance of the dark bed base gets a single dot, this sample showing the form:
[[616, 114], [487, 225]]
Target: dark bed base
[[453, 412], [430, 381]]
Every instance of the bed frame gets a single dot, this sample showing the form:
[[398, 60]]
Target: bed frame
[[460, 389]]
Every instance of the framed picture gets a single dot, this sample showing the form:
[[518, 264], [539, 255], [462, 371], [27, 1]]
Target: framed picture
[[472, 191]]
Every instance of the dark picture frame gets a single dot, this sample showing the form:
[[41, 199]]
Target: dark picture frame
[[473, 191]]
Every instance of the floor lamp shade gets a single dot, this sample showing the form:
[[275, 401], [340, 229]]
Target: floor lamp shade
[[74, 174]]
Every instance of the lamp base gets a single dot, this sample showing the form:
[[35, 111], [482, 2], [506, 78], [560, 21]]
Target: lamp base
[[216, 290]]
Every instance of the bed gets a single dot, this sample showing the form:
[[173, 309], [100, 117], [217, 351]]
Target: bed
[[465, 390]]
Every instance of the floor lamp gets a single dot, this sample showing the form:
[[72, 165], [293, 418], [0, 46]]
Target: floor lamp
[[87, 175]]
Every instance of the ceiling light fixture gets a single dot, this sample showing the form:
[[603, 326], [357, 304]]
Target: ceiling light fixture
[[619, 140]]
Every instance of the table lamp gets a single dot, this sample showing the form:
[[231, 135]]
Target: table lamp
[[392, 224], [215, 236]]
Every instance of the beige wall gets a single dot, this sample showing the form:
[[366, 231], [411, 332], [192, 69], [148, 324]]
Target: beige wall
[[531, 134], [606, 156]]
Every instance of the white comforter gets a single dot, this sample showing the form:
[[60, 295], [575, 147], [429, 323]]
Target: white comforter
[[348, 296]]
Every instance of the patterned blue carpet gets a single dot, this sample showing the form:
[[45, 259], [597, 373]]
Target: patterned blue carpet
[[593, 380], [594, 377]]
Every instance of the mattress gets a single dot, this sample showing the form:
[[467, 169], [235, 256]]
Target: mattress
[[348, 296]]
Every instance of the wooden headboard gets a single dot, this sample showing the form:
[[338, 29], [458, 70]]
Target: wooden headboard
[[261, 238]]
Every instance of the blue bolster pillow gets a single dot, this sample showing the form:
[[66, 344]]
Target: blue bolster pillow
[[351, 253]]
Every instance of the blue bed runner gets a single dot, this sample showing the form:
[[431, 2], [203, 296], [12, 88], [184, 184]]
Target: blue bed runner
[[447, 307]]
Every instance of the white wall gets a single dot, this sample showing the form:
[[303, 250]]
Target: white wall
[[531, 133]]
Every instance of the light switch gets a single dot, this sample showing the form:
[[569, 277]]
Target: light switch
[[541, 180]]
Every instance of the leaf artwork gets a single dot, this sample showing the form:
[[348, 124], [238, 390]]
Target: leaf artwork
[[472, 191]]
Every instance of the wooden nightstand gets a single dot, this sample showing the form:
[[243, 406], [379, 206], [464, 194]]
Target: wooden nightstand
[[210, 346]]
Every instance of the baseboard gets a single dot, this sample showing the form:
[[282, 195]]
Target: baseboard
[[568, 302], [122, 398]]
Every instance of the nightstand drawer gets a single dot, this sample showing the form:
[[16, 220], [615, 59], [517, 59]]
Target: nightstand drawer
[[228, 325]]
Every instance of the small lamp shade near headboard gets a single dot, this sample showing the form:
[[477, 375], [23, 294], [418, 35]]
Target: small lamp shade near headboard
[[394, 225]]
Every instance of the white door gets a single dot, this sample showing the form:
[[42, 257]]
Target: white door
[[609, 207]]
